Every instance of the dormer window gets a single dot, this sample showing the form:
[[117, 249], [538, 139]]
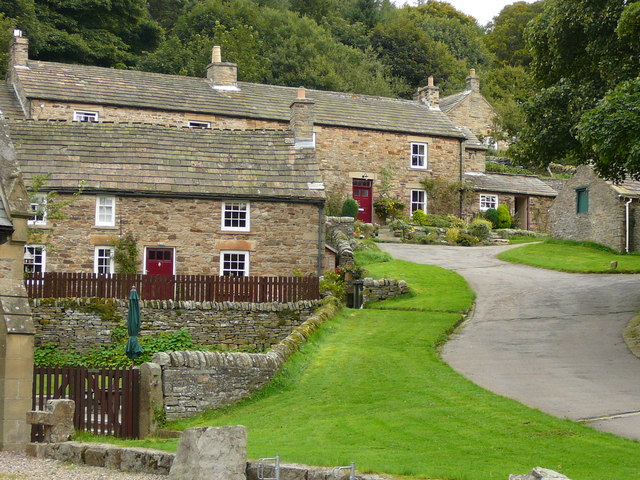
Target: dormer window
[[198, 124], [83, 116]]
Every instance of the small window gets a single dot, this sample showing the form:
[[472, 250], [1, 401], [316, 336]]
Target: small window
[[34, 259], [105, 211], [81, 116], [487, 202], [103, 260], [234, 264], [419, 155], [582, 200], [235, 216], [418, 200], [198, 124], [38, 207]]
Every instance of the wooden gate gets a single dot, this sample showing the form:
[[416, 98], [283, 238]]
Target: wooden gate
[[107, 399]]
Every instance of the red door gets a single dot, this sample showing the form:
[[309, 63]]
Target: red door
[[158, 283], [362, 190]]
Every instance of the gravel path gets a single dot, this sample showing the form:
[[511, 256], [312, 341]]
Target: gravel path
[[20, 467]]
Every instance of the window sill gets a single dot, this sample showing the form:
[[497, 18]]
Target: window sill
[[235, 232], [104, 227]]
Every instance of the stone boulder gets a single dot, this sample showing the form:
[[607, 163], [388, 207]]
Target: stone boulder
[[539, 473], [211, 453]]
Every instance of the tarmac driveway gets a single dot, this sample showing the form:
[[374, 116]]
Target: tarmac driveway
[[550, 340]]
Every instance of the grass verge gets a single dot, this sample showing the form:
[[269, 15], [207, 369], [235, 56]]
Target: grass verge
[[370, 387], [576, 257]]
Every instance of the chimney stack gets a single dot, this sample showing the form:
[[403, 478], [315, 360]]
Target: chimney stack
[[473, 81], [302, 120], [18, 50], [429, 95], [224, 75]]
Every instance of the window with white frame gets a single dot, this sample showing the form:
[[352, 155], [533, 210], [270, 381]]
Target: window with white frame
[[235, 216], [105, 211], [419, 155], [38, 207], [199, 124], [84, 116], [103, 260], [35, 257], [234, 263], [487, 202], [418, 200]]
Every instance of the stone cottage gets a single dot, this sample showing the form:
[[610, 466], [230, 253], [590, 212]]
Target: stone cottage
[[589, 208]]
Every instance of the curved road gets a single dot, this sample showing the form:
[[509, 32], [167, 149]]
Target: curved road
[[550, 340]]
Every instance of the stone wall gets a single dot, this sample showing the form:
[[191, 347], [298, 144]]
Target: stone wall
[[538, 209], [603, 223], [376, 290], [68, 323], [339, 234], [283, 236], [196, 381]]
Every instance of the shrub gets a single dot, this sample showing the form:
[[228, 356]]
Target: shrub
[[492, 216], [419, 217], [332, 284], [467, 239], [350, 208], [480, 228], [333, 205], [452, 234], [444, 221], [387, 208], [504, 217]]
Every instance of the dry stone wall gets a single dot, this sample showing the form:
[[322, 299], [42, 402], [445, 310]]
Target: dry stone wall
[[376, 290], [67, 322]]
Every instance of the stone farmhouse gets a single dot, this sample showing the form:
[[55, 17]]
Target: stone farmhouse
[[589, 208], [355, 141]]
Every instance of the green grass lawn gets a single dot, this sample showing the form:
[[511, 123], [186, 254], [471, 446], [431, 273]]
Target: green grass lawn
[[369, 387], [572, 257]]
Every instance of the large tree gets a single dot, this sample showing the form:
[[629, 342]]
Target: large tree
[[578, 55]]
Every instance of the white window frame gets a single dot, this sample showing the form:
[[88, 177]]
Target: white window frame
[[97, 257], [199, 124], [228, 216], [43, 257], [38, 203], [246, 255], [85, 116], [418, 204], [418, 159], [100, 219], [488, 201]]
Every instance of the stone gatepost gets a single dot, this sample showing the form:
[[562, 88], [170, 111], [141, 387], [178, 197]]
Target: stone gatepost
[[16, 325]]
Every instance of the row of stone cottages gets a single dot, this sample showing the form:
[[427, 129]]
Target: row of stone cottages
[[217, 176]]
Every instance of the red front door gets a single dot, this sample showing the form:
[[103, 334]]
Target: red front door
[[159, 261], [362, 190]]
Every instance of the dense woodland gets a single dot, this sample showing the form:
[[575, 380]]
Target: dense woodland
[[562, 74]]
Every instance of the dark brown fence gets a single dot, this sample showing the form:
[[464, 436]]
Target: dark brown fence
[[199, 288], [107, 399]]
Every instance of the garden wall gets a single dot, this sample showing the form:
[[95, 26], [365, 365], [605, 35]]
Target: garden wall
[[375, 290], [196, 381], [85, 323]]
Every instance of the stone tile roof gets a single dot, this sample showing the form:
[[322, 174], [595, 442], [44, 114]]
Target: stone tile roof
[[105, 86], [9, 105], [449, 102], [508, 183], [472, 141], [158, 160], [628, 188]]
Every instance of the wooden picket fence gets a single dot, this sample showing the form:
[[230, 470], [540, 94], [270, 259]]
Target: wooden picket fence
[[107, 399], [198, 288]]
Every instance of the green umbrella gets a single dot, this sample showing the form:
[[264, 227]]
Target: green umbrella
[[133, 348]]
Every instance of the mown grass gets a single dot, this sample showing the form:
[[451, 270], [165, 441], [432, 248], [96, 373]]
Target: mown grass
[[577, 257], [518, 239], [369, 387]]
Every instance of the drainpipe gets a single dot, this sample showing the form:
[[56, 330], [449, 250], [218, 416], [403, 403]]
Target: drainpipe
[[461, 177], [626, 206], [320, 239]]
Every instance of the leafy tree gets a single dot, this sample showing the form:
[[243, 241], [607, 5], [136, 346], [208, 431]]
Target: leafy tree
[[505, 35]]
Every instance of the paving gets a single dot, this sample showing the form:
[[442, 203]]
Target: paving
[[550, 340]]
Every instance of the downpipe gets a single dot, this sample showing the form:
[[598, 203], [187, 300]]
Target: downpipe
[[627, 228]]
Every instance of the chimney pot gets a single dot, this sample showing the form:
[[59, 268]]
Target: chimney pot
[[302, 94], [430, 81], [472, 72], [216, 54], [429, 95], [17, 32]]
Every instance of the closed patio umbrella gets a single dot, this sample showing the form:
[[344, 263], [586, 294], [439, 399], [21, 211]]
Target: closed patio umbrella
[[133, 348]]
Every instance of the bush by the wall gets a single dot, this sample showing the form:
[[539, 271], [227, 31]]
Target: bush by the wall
[[419, 217], [480, 228], [444, 221], [504, 217], [492, 216], [453, 234], [467, 239], [350, 208]]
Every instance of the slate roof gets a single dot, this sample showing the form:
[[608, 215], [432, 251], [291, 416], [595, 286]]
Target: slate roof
[[170, 161], [105, 86], [508, 183]]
